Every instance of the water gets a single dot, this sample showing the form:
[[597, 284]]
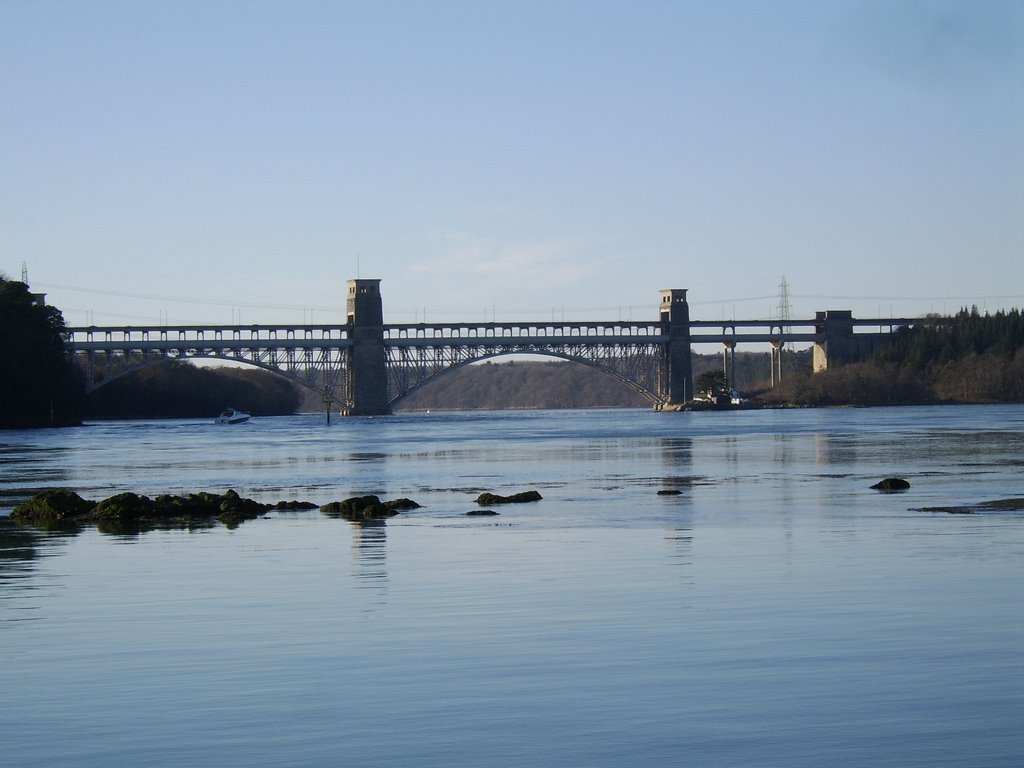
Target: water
[[775, 612]]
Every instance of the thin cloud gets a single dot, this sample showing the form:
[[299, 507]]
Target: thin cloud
[[556, 262]]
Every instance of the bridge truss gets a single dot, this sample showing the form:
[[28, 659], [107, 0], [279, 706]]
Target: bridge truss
[[315, 357]]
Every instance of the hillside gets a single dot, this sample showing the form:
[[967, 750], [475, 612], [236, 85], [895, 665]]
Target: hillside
[[522, 384], [181, 390]]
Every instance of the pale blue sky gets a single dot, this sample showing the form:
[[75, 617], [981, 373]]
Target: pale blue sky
[[218, 161]]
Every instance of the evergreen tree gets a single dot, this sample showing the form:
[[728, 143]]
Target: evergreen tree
[[39, 386], [711, 382]]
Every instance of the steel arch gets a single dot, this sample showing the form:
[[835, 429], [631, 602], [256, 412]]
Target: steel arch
[[640, 367], [320, 371]]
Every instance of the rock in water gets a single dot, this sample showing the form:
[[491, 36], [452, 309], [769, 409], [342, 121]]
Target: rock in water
[[362, 508], [132, 512], [235, 510], [52, 508], [891, 484], [402, 503], [487, 499], [124, 507]]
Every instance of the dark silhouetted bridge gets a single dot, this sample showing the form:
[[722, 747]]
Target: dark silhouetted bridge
[[365, 366]]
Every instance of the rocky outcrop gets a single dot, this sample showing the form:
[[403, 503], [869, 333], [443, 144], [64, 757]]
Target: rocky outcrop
[[57, 508], [365, 508], [488, 499], [294, 505], [235, 510], [401, 504], [131, 512]]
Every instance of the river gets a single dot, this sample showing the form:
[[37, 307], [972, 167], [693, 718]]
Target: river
[[772, 610]]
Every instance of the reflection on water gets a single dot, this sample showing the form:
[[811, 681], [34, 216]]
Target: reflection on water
[[27, 465], [21, 551], [834, 450], [676, 455], [17, 547], [681, 553], [370, 554]]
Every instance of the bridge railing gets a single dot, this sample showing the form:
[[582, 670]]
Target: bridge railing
[[96, 338], [885, 324], [428, 334], [792, 331]]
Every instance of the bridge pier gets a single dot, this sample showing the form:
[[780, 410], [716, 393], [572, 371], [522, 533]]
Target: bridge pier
[[677, 386], [729, 363], [837, 344], [367, 370], [776, 361]]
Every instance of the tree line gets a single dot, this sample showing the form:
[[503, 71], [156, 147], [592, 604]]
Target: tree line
[[38, 385]]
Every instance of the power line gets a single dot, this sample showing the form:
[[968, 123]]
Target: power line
[[731, 301], [783, 297], [904, 298], [180, 300]]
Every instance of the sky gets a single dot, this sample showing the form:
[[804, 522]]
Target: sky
[[220, 161]]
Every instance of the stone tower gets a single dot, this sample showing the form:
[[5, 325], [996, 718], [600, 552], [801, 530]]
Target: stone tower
[[675, 319], [367, 372]]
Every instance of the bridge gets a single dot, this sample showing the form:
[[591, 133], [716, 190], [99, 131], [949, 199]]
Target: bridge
[[365, 367]]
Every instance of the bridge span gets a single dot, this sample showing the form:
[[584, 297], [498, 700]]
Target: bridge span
[[365, 366]]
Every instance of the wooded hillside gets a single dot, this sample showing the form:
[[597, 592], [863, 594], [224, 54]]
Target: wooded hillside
[[181, 390], [522, 384]]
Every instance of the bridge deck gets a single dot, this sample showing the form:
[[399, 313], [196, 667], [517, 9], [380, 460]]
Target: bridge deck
[[321, 336]]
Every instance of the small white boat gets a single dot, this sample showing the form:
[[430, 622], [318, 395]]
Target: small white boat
[[231, 416]]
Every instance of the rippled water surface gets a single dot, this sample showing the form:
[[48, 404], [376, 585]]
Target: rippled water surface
[[772, 611]]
